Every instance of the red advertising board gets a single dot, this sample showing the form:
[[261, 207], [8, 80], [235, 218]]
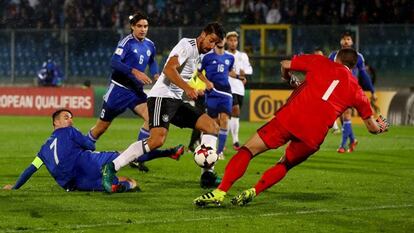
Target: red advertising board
[[43, 101]]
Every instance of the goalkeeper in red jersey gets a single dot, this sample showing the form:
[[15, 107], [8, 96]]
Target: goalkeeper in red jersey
[[327, 91]]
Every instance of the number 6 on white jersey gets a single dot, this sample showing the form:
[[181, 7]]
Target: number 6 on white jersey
[[54, 147], [330, 89]]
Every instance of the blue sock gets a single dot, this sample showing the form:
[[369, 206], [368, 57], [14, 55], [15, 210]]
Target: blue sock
[[155, 154], [143, 134], [221, 140], [351, 133], [346, 128]]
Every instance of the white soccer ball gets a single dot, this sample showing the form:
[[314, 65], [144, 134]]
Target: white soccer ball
[[205, 156]]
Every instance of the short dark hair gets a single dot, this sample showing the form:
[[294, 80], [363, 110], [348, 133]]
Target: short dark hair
[[318, 49], [348, 57], [346, 34], [216, 28], [133, 19], [58, 112]]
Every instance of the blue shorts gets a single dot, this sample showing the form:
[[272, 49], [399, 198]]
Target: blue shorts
[[88, 170], [117, 99], [218, 102]]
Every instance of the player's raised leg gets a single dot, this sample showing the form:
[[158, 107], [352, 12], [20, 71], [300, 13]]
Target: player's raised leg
[[134, 151]]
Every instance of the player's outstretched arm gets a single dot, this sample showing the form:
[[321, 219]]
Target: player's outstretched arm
[[26, 174], [366, 79], [170, 70], [377, 126]]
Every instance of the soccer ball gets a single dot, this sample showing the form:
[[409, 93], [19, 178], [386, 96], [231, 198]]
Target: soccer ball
[[205, 156]]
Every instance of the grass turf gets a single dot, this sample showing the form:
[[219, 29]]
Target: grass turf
[[370, 190]]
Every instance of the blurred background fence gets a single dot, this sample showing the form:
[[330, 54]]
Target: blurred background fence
[[85, 54]]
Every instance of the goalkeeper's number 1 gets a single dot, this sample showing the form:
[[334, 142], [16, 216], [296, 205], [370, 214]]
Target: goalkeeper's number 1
[[330, 89]]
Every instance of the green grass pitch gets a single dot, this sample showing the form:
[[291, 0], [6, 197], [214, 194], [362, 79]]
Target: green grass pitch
[[370, 190]]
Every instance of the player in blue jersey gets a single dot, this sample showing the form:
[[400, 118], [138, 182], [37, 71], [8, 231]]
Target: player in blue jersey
[[133, 54], [217, 65], [359, 69], [70, 158]]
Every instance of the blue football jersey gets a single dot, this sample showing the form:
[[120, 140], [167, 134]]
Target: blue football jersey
[[60, 153], [217, 67], [132, 53]]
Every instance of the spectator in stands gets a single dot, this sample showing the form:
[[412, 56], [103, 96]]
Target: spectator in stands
[[274, 15], [261, 10], [110, 13], [50, 74]]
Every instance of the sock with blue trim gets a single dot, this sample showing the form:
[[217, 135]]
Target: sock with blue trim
[[143, 134]]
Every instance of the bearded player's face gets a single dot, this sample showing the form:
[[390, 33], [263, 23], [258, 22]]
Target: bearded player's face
[[208, 42]]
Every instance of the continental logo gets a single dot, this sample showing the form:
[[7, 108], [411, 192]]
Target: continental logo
[[265, 106], [264, 103]]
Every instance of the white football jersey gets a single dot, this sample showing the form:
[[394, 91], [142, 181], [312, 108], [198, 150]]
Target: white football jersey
[[187, 52], [241, 62]]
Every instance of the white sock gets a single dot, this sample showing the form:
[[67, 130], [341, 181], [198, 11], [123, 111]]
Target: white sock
[[335, 126], [209, 139], [134, 151], [231, 127], [235, 129]]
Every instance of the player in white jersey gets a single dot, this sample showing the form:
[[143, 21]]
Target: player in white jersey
[[243, 68], [165, 103]]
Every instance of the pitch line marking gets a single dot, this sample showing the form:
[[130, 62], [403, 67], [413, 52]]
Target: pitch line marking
[[300, 212]]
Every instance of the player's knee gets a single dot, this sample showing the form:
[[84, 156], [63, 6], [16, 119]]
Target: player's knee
[[224, 122], [207, 125], [212, 128], [347, 115], [156, 142], [235, 112], [285, 162]]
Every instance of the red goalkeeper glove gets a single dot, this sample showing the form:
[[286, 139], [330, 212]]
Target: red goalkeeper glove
[[383, 124]]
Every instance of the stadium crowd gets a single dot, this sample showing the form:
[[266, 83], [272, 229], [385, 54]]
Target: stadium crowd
[[114, 13]]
